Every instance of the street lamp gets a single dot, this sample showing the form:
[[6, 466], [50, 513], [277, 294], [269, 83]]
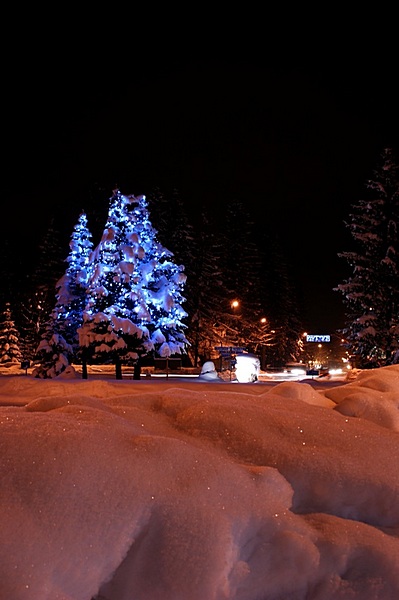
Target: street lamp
[[234, 305], [263, 346]]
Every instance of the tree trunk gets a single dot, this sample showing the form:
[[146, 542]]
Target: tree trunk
[[84, 368], [137, 370], [118, 369]]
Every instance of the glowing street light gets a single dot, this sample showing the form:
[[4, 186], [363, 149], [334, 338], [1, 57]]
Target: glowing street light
[[235, 304]]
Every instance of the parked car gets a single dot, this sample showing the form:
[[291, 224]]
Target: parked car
[[247, 368]]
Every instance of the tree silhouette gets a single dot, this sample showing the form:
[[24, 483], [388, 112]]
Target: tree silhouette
[[371, 294]]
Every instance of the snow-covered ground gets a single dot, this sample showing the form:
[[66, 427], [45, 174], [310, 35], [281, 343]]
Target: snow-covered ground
[[179, 489]]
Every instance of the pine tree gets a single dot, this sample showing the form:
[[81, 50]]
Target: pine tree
[[173, 225], [38, 301], [54, 354], [371, 294], [205, 293], [9, 338], [9, 263], [197, 248], [59, 345], [134, 292], [160, 286], [281, 303], [241, 265]]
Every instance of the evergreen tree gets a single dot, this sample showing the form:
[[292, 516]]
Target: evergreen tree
[[371, 294], [38, 301], [9, 263], [241, 265], [205, 293], [59, 345], [174, 225], [9, 338], [54, 354], [134, 292], [196, 248], [282, 306], [226, 261], [161, 282]]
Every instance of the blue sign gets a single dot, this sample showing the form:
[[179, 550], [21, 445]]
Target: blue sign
[[318, 338], [229, 350]]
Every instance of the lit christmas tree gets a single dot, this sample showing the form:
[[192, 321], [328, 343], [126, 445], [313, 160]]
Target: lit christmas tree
[[134, 292], [9, 338], [59, 345], [160, 286], [71, 288]]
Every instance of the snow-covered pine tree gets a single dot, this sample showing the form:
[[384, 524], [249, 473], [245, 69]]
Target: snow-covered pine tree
[[10, 352], [371, 294], [135, 291], [14, 273], [160, 286], [59, 345], [53, 354]]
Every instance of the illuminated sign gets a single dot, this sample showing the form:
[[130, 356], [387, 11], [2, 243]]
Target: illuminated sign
[[318, 338], [228, 350]]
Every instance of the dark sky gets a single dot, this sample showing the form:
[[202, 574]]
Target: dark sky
[[295, 140]]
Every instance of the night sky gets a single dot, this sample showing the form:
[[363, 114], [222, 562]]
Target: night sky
[[295, 141]]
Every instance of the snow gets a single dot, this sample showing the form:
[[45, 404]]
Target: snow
[[167, 489]]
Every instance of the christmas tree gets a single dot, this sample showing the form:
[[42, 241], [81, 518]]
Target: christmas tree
[[134, 294], [59, 345]]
